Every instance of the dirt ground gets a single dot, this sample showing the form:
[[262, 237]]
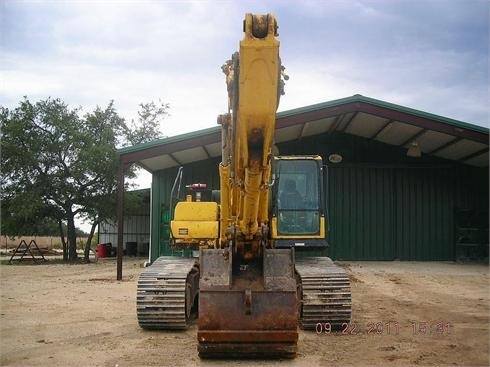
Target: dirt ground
[[404, 313]]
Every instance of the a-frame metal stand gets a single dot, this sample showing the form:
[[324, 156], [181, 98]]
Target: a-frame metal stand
[[25, 248]]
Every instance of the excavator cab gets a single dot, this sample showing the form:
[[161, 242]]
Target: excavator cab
[[298, 214]]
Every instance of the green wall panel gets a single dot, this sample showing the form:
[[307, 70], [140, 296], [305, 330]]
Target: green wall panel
[[424, 214], [360, 209], [381, 205]]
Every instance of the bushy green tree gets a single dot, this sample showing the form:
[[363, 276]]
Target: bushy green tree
[[57, 164]]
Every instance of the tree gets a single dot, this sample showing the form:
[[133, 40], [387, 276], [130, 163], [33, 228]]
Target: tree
[[150, 116], [57, 164], [146, 128]]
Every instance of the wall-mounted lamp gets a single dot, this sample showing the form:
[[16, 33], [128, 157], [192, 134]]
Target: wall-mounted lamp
[[414, 150], [335, 158]]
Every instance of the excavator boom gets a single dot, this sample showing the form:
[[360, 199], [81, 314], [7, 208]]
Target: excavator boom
[[253, 79], [240, 282]]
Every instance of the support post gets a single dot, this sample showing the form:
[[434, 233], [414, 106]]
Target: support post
[[120, 218]]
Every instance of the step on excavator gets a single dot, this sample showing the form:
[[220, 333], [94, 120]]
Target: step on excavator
[[253, 283]]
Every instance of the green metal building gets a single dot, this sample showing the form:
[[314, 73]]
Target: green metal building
[[400, 183]]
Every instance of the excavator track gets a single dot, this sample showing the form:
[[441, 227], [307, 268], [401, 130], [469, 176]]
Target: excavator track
[[325, 293], [166, 292]]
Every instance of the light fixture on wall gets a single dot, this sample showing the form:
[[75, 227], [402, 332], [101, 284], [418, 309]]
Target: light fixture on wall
[[414, 150], [335, 158]]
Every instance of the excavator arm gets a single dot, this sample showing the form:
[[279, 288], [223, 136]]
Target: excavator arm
[[254, 85], [249, 288], [248, 303]]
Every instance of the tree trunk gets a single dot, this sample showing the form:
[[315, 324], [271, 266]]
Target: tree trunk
[[72, 237], [63, 241], [89, 241]]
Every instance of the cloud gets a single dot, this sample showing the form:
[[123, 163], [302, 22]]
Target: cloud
[[423, 54], [445, 83], [426, 55], [129, 53]]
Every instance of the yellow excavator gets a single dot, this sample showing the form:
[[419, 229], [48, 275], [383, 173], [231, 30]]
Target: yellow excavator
[[253, 283]]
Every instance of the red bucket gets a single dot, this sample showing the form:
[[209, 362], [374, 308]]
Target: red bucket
[[102, 250]]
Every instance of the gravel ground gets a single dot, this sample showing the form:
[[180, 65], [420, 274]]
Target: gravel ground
[[404, 313]]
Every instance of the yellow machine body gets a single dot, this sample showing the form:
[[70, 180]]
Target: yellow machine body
[[251, 290], [248, 295], [195, 222]]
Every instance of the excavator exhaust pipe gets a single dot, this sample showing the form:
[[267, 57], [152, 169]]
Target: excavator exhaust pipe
[[243, 314]]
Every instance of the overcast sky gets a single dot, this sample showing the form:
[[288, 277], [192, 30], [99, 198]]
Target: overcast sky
[[428, 55]]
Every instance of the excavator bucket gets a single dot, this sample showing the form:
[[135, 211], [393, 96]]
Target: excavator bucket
[[247, 310]]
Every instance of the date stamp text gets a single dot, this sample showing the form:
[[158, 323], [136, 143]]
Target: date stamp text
[[416, 328]]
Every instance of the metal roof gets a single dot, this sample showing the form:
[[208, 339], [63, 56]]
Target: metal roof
[[357, 115]]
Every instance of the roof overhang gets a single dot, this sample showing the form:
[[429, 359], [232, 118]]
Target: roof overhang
[[357, 115]]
